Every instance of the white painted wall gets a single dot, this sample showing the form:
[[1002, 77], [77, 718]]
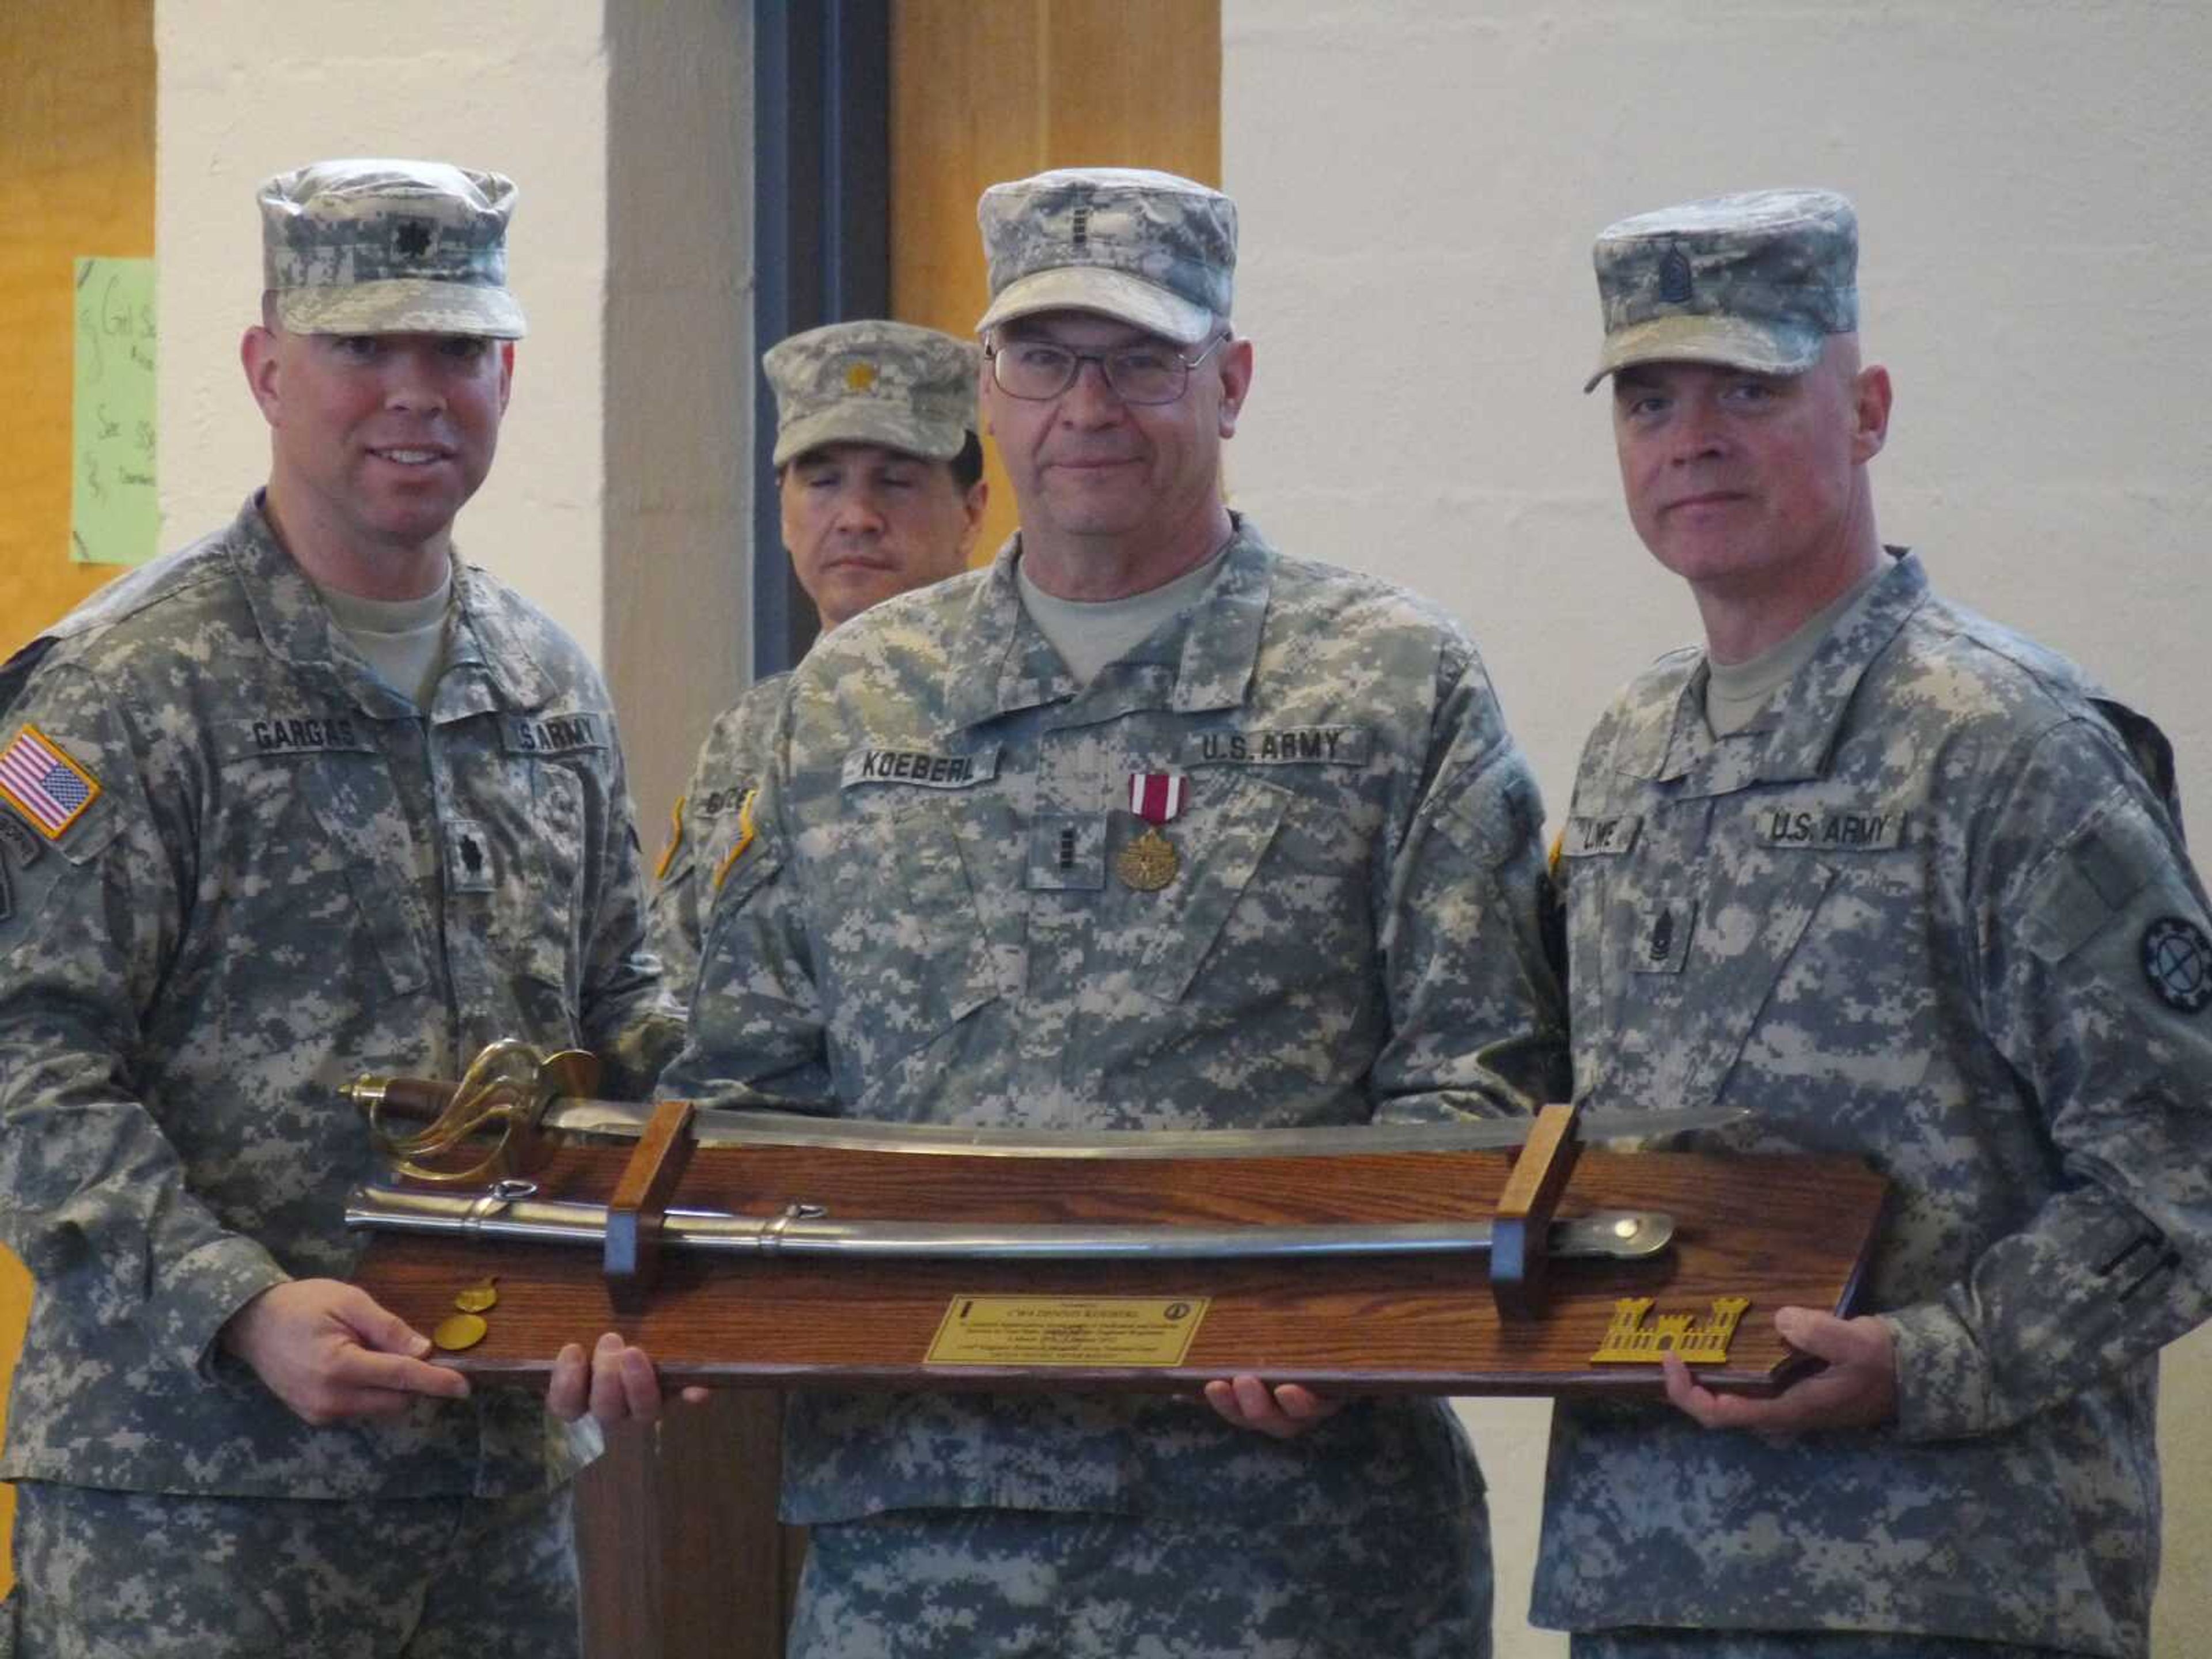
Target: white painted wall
[[515, 86], [679, 382], [1419, 181]]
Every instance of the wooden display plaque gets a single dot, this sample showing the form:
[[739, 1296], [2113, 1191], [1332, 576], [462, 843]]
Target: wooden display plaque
[[1763, 1231]]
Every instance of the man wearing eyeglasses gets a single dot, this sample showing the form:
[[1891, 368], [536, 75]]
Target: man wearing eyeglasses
[[1146, 826]]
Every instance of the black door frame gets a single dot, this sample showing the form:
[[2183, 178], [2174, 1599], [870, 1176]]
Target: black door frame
[[821, 237]]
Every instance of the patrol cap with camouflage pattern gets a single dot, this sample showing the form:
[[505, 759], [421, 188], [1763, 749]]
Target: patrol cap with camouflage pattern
[[907, 388], [1146, 247], [389, 247], [1755, 281]]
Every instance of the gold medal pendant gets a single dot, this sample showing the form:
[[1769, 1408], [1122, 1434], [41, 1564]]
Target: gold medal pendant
[[1148, 863]]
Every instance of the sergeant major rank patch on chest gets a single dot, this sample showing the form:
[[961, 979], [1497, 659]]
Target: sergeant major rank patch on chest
[[1661, 943]]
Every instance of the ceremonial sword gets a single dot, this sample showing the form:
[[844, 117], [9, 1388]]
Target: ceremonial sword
[[511, 1210], [519, 1093], [512, 1088]]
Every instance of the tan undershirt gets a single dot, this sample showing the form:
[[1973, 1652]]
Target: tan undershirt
[[404, 640], [1735, 692], [1091, 633]]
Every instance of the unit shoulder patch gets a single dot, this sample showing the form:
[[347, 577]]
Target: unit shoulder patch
[[2177, 962]]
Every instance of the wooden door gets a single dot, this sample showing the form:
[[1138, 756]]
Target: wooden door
[[987, 90]]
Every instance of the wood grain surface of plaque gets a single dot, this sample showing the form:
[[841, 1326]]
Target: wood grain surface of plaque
[[1772, 1231]]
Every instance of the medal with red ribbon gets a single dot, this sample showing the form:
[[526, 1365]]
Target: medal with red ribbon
[[1150, 862]]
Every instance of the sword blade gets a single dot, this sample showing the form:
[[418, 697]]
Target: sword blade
[[1619, 1234], [727, 1127]]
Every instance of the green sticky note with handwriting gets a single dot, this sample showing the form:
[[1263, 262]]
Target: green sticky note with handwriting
[[113, 519]]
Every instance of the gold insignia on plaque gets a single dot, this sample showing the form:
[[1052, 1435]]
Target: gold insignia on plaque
[[1148, 863], [459, 1331], [478, 1298], [1629, 1341]]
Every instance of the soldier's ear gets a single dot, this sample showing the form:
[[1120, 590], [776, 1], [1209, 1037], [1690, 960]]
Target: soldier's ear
[[1236, 382], [1870, 402], [258, 356]]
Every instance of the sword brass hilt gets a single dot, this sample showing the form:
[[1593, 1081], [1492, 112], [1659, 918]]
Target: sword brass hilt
[[503, 1094]]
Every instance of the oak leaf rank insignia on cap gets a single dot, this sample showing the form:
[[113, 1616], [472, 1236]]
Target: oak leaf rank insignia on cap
[[872, 382], [389, 247]]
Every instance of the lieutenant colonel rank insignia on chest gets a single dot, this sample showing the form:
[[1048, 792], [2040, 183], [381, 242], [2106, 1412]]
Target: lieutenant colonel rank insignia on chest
[[43, 783], [1150, 862], [468, 857]]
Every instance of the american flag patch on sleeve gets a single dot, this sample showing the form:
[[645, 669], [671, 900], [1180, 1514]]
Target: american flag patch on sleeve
[[44, 784]]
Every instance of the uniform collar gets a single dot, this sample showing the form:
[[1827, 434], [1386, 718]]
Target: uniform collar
[[1669, 740], [491, 633], [1203, 663]]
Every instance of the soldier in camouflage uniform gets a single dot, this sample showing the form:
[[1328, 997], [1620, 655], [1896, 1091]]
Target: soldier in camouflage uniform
[[1146, 826], [309, 797], [881, 472], [1908, 886]]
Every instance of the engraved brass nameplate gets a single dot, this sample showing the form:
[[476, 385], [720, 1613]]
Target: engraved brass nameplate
[[1041, 1332]]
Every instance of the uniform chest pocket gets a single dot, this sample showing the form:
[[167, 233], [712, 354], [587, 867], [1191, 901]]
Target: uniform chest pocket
[[1269, 888], [537, 836], [1671, 969], [347, 871], [899, 924]]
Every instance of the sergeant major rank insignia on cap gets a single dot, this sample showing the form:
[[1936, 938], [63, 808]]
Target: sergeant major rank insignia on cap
[[1755, 281]]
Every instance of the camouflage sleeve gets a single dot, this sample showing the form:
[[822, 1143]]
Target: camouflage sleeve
[[2095, 953], [628, 1019], [678, 918], [702, 830], [93, 1196], [756, 1017], [1476, 1020]]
